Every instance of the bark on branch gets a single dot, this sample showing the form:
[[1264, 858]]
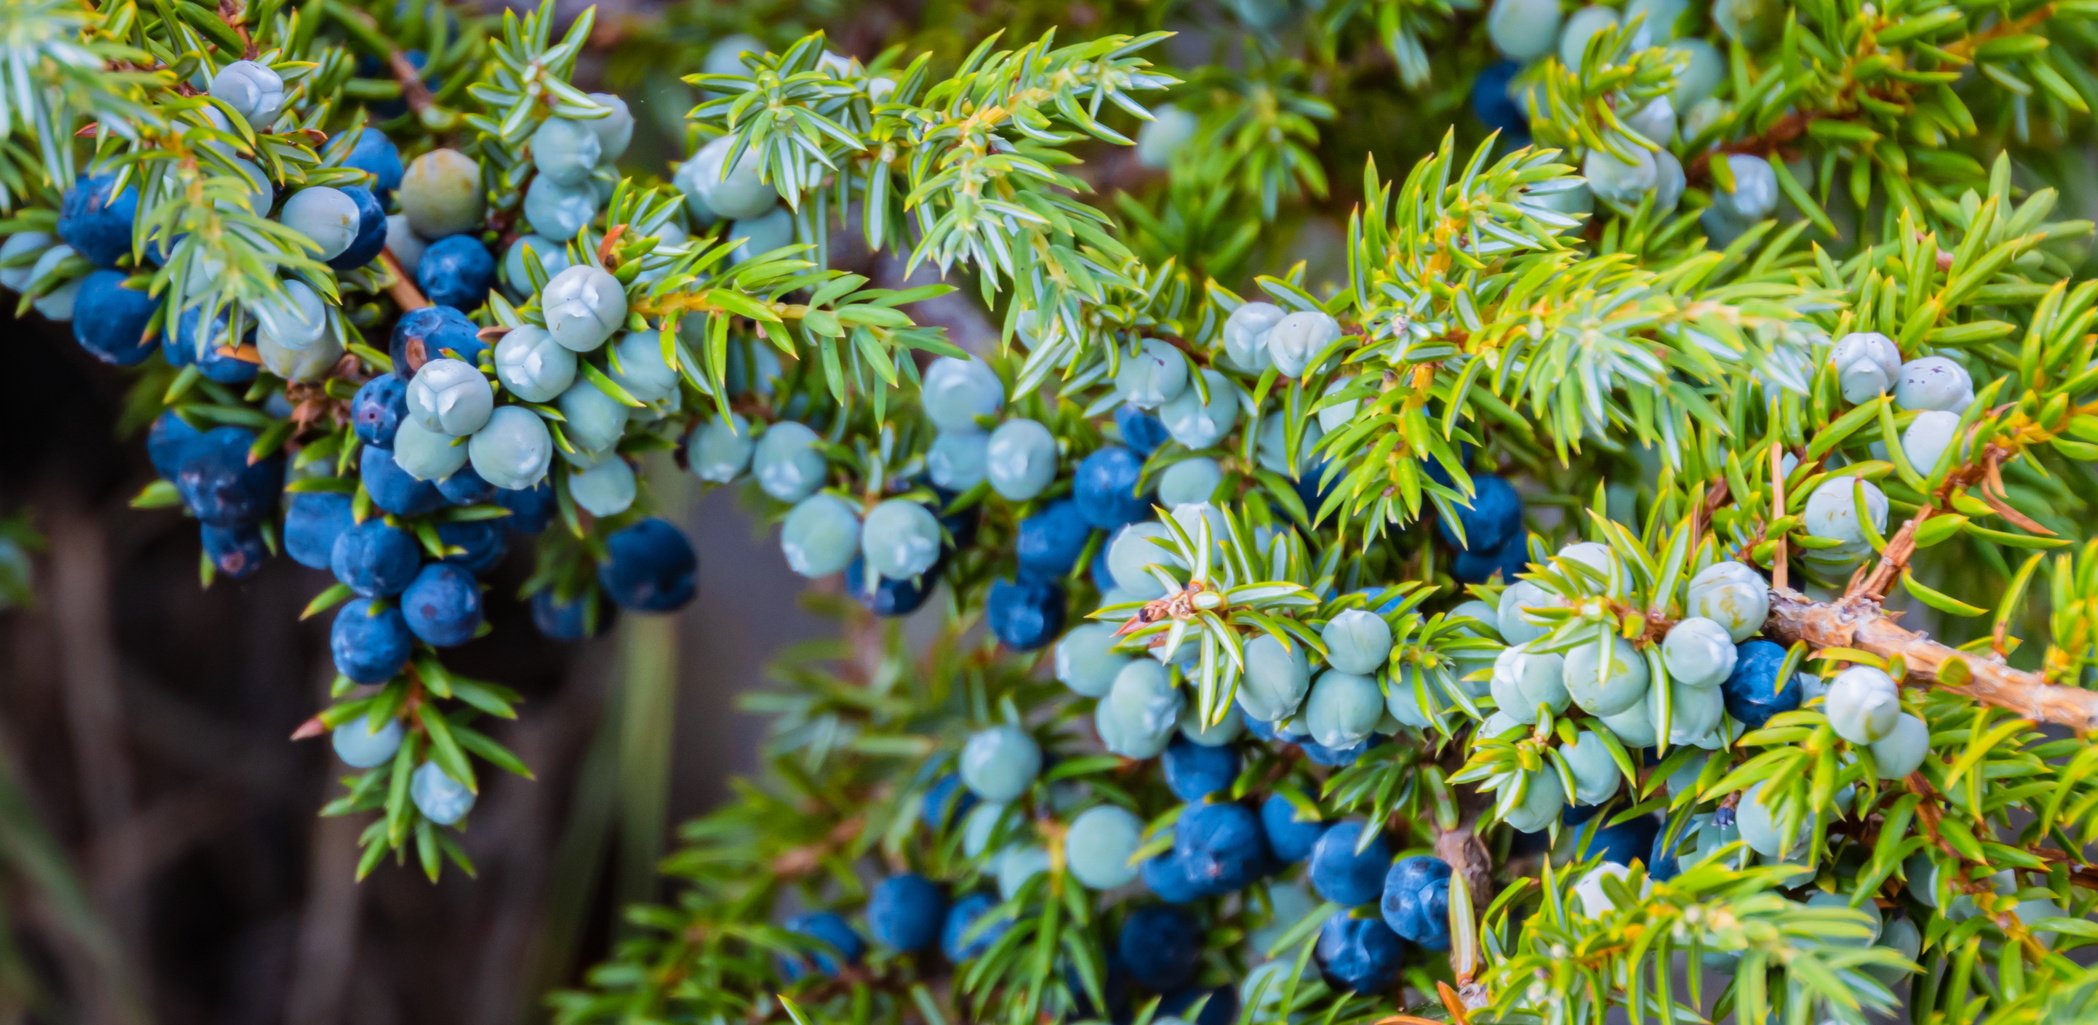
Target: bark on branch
[[1860, 623]]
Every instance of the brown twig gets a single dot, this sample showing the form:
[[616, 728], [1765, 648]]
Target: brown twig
[[1859, 622], [403, 290]]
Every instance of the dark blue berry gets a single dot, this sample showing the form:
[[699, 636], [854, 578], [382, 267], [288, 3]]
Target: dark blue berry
[[1048, 543], [1168, 876], [377, 409], [1751, 690], [1621, 842], [837, 944], [110, 319], [1478, 567], [218, 482], [1220, 845], [1417, 901], [531, 509], [649, 567], [430, 333], [1161, 945], [483, 544], [370, 641], [1289, 838], [1105, 488], [1494, 516], [371, 230], [465, 487], [1343, 875], [96, 220], [1491, 102], [375, 558], [945, 801], [559, 620], [960, 937], [905, 912], [442, 605], [236, 552], [312, 522], [890, 597], [1141, 431], [456, 271], [1333, 757], [1195, 771], [1219, 1005], [1026, 614], [391, 488], [187, 346], [166, 441], [1358, 954], [376, 155]]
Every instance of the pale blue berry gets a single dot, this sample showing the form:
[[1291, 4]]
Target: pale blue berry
[[1298, 338], [957, 459], [901, 539], [1581, 27], [1654, 120], [1215, 734], [820, 536], [328, 218], [566, 151], [1166, 134], [451, 397], [1703, 69], [254, 91], [512, 450], [762, 234], [1832, 512], [1246, 335], [1198, 424], [1523, 680], [789, 461], [1151, 376], [614, 131], [1015, 866], [1020, 461], [363, 744], [593, 420], [959, 393], [1619, 180], [1000, 763], [1934, 382], [19, 247], [441, 799], [1357, 641], [56, 304], [583, 306], [312, 363], [1699, 652], [1693, 712], [1523, 30], [1595, 774], [1928, 437], [603, 488], [1867, 365], [425, 454], [1086, 660], [1100, 846], [292, 317], [1190, 481], [1271, 450], [1542, 799], [1141, 711], [1343, 708], [1635, 725], [1515, 626], [638, 366], [1732, 595], [532, 366], [719, 452], [1863, 704], [1754, 194], [732, 192], [405, 245], [1132, 552], [557, 211], [1606, 678], [552, 257]]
